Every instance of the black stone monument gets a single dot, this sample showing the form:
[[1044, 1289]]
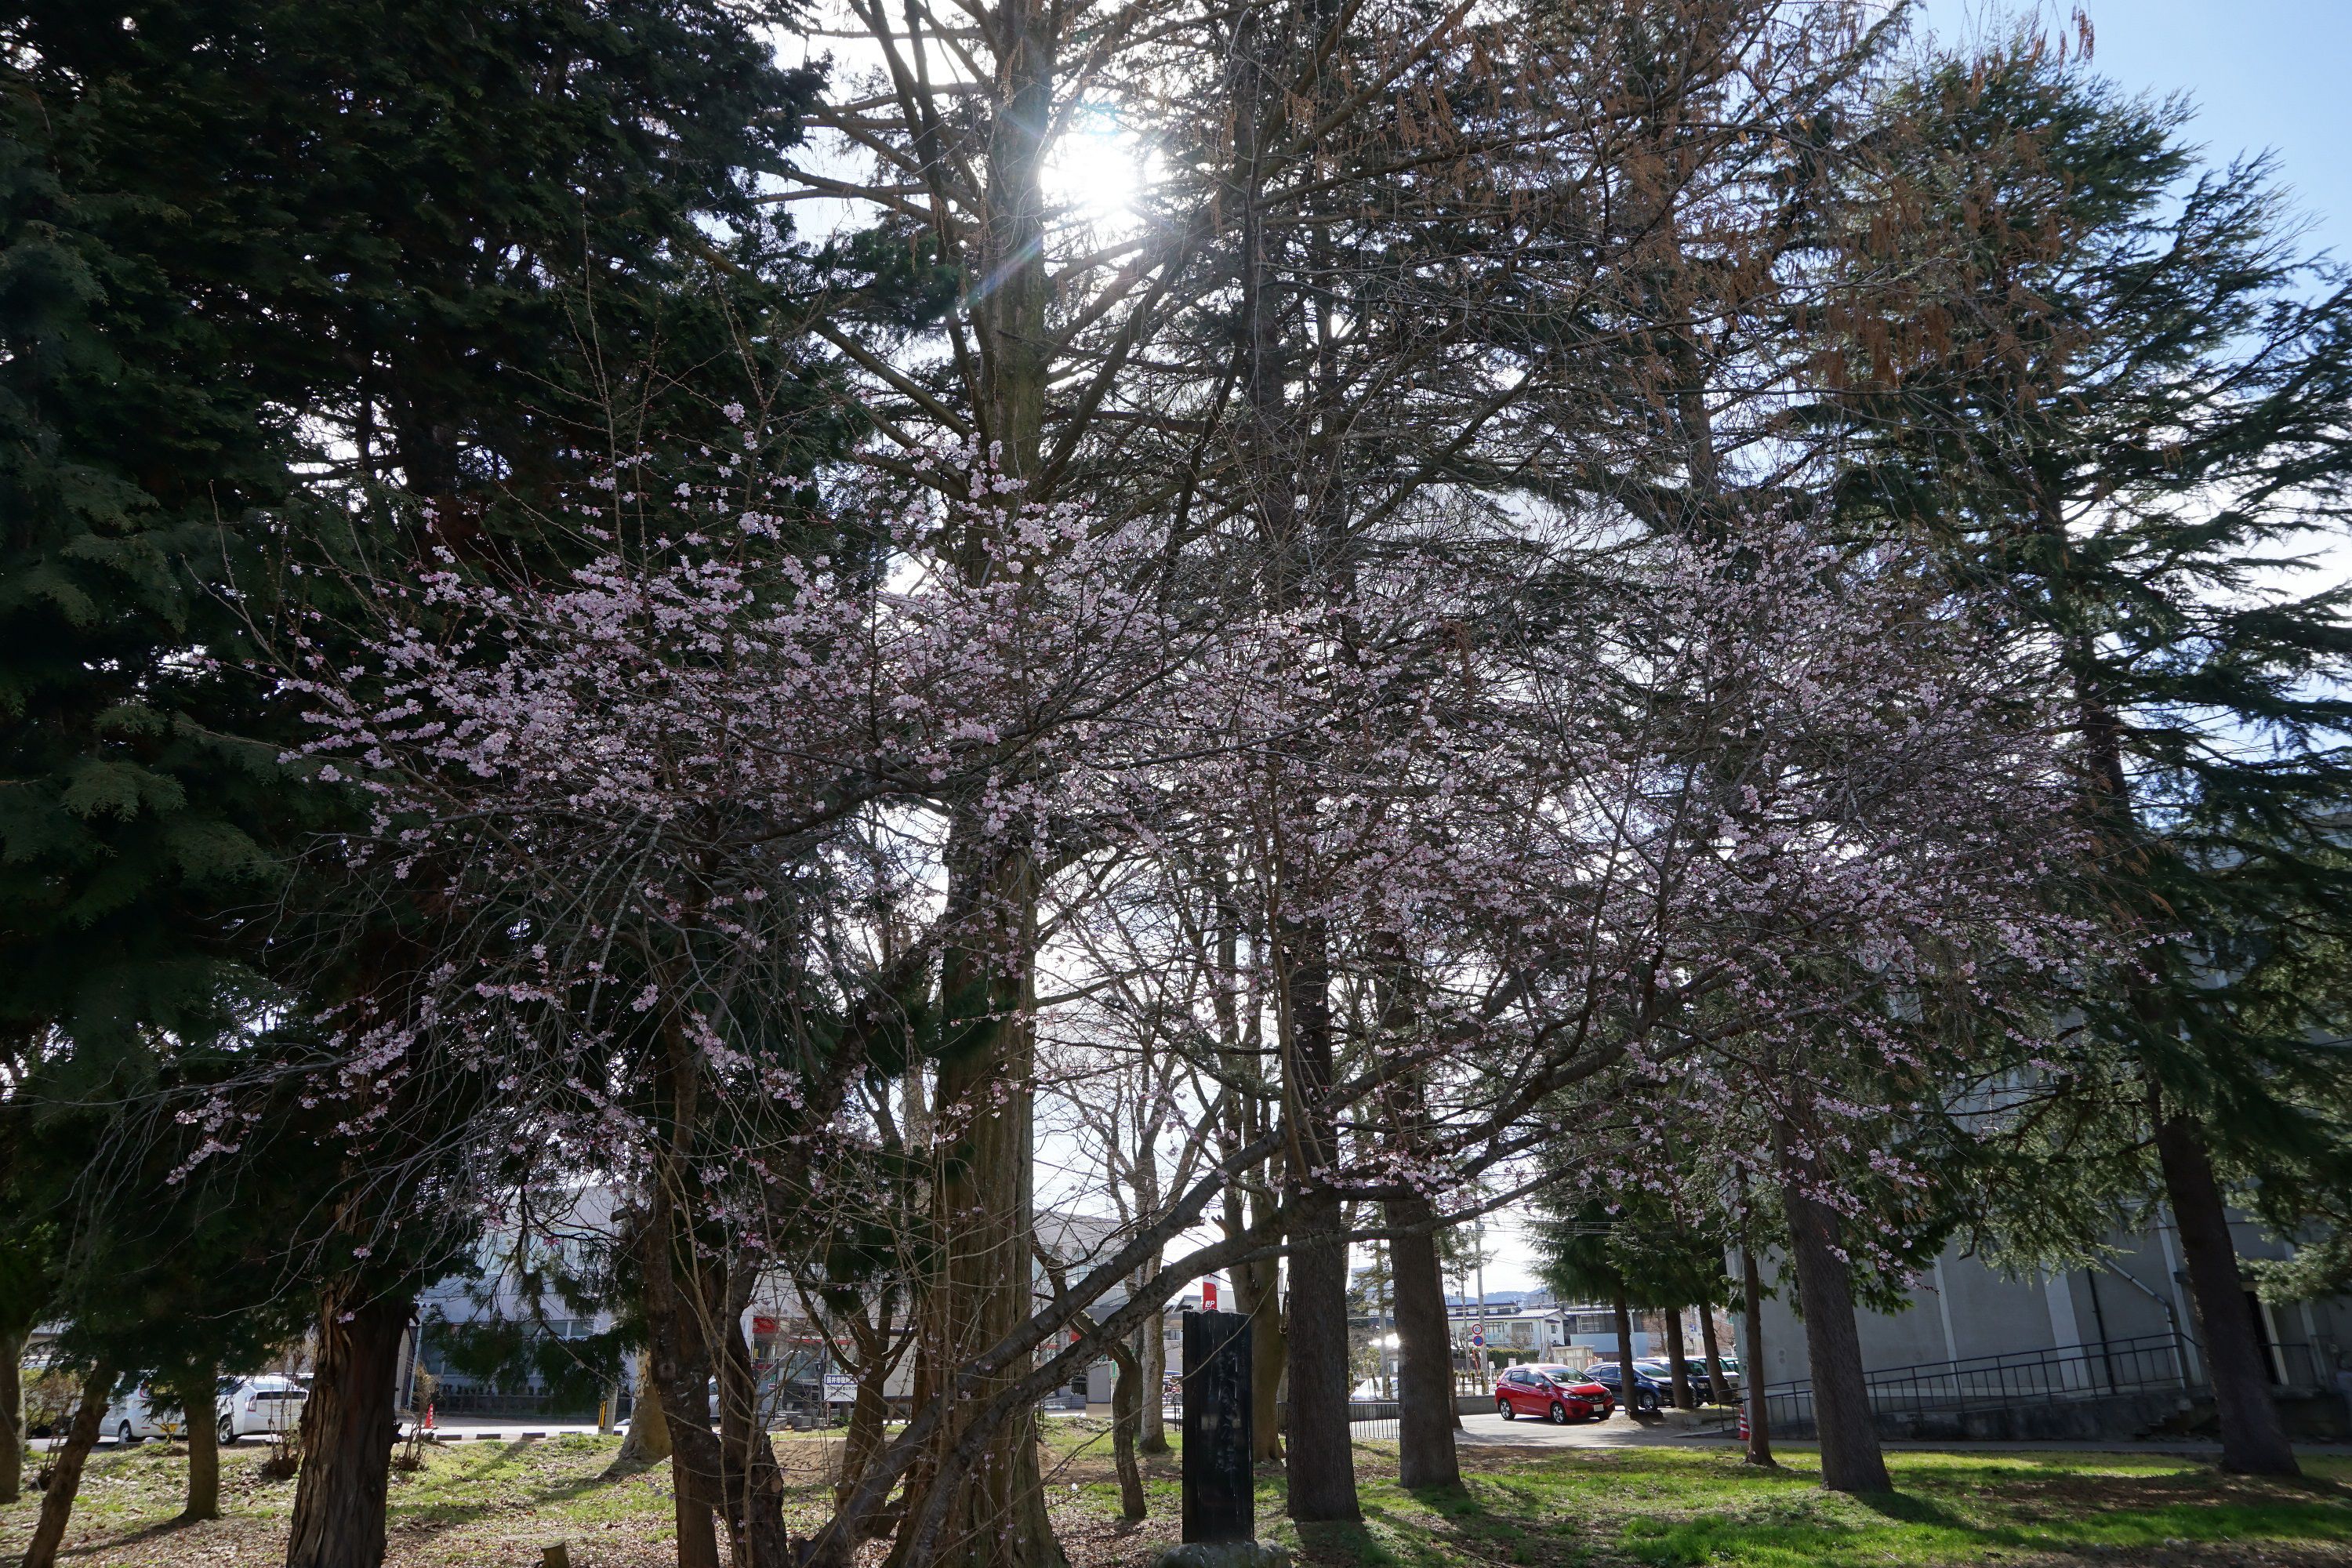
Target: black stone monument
[[1220, 1501]]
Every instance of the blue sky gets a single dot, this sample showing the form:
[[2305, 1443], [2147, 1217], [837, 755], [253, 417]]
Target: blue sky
[[2263, 74]]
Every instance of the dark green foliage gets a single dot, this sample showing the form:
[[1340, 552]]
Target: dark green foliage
[[131, 818], [1590, 1252], [2120, 396], [159, 1262], [285, 285], [437, 245], [512, 1355]]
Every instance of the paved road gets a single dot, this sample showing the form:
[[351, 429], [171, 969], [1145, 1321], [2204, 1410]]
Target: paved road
[[1617, 1432], [1493, 1431], [448, 1431], [484, 1429]]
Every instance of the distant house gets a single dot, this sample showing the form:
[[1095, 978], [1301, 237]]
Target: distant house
[[1543, 1332]]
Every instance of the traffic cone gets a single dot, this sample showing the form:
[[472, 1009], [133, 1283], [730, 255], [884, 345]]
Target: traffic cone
[[428, 1415]]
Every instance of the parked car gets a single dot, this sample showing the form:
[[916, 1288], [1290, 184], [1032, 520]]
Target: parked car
[[262, 1406], [1557, 1394], [141, 1413], [1661, 1371], [1648, 1393]]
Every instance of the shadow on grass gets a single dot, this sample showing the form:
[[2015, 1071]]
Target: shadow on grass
[[436, 1514], [1909, 1507], [1338, 1543], [1445, 1527], [161, 1527]]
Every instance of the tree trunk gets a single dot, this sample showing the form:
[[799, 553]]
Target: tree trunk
[[12, 1417], [869, 1407], [982, 1194], [648, 1439], [66, 1467], [1321, 1460], [2254, 1439], [1258, 1290], [1751, 1364], [755, 1485], [1714, 1380], [696, 1468], [1851, 1458], [1154, 1440], [678, 1352], [199, 1408], [983, 1222], [1425, 1453], [1627, 1398], [348, 1424], [1126, 1420], [1678, 1376]]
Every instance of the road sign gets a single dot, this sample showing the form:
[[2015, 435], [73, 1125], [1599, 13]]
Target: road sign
[[1478, 1339], [840, 1388]]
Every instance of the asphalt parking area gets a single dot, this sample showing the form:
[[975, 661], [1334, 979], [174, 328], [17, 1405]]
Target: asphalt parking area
[[1616, 1432]]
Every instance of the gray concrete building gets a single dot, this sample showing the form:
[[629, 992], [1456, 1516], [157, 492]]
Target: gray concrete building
[[2119, 1342]]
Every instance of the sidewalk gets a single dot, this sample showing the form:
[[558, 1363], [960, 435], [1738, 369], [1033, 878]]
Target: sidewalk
[[1492, 1431], [502, 1429]]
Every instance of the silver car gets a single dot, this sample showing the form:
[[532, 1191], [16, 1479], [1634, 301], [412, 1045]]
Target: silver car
[[142, 1414]]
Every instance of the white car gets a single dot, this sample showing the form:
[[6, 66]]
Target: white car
[[246, 1407], [260, 1406], [142, 1413]]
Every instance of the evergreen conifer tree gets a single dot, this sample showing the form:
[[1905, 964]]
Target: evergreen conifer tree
[[266, 265], [2104, 376]]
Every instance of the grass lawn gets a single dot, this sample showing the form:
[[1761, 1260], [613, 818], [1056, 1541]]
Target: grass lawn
[[1674, 1506], [501, 1503]]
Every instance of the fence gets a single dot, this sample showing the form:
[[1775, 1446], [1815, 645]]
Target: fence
[[2151, 1362], [1372, 1420], [469, 1401]]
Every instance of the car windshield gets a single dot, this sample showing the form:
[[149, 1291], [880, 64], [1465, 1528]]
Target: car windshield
[[1561, 1374]]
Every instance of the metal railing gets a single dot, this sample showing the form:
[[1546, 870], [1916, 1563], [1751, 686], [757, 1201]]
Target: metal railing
[[2151, 1362], [1372, 1420], [463, 1401]]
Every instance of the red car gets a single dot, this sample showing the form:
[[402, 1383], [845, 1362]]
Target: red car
[[1559, 1393]]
